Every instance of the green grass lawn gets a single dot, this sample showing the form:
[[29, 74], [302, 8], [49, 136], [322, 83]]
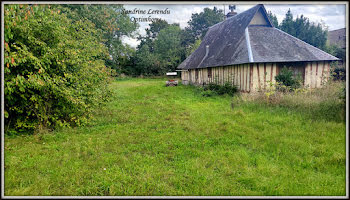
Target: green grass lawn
[[157, 140]]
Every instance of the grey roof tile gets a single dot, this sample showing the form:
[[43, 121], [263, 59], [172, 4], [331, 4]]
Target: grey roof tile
[[227, 44], [274, 45]]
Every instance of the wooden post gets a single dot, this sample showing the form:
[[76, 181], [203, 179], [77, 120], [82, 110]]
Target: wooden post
[[264, 75], [257, 67], [251, 77], [271, 72]]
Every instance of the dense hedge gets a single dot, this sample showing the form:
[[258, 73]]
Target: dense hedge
[[54, 68]]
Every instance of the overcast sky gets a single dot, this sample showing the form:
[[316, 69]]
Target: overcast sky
[[332, 15]]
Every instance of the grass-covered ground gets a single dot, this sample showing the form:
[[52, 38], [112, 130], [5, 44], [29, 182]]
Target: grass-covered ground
[[157, 140]]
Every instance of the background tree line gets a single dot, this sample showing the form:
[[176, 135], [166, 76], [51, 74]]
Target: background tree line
[[165, 45], [310, 32]]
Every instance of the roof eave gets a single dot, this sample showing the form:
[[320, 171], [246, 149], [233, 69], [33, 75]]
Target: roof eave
[[241, 63]]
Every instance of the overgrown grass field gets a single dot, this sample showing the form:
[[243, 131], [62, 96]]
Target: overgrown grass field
[[157, 140]]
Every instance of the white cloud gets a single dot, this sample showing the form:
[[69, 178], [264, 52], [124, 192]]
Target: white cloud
[[332, 15], [133, 42]]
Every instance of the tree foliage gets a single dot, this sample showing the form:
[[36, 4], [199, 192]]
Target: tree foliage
[[193, 47], [198, 26], [336, 51], [54, 68], [152, 33], [111, 22], [200, 22], [301, 27], [165, 45], [168, 47], [166, 53], [273, 19], [146, 62], [310, 32], [126, 60]]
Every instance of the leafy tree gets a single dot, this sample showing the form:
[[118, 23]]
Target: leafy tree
[[152, 33], [146, 63], [167, 52], [287, 24], [199, 24], [110, 21], [338, 69], [126, 60], [54, 68], [156, 27], [273, 19], [168, 46], [302, 28], [193, 47], [165, 45], [336, 51]]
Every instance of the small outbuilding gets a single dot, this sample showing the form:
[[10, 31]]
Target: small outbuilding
[[337, 37], [248, 51]]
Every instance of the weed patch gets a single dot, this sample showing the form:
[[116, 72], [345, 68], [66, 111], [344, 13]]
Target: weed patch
[[326, 103]]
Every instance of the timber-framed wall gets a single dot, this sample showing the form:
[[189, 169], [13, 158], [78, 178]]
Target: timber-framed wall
[[256, 76]]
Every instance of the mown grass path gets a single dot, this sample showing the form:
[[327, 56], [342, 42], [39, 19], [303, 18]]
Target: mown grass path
[[156, 140]]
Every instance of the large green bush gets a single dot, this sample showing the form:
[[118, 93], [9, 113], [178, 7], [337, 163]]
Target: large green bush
[[339, 73], [54, 68], [285, 78]]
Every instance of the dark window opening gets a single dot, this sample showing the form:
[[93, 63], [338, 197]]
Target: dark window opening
[[209, 73], [196, 75]]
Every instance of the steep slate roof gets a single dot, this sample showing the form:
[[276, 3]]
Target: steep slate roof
[[228, 44]]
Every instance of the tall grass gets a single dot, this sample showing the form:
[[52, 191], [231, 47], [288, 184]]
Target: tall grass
[[156, 140], [326, 103]]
